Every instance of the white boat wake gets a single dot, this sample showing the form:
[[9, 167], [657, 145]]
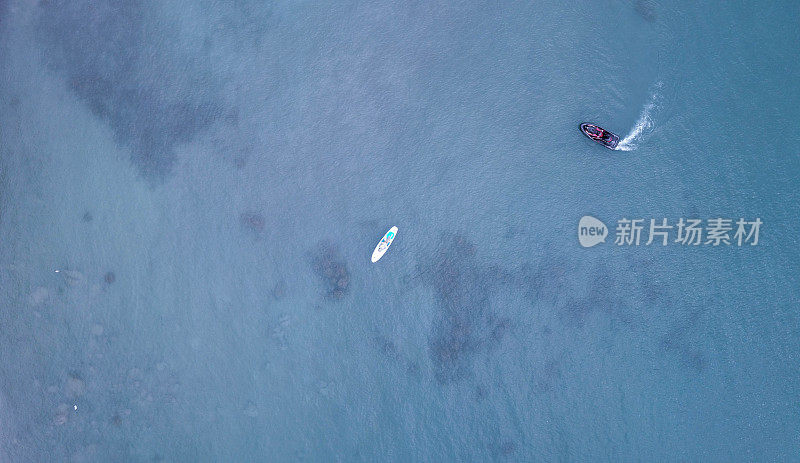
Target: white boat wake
[[643, 124]]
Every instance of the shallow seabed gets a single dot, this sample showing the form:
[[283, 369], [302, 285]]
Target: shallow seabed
[[210, 179]]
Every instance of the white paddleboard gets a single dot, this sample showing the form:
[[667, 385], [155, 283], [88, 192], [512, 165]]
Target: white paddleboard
[[384, 244]]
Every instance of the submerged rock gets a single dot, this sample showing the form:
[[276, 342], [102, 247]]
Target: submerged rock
[[72, 277], [465, 324], [75, 386], [62, 414], [39, 296], [507, 448], [252, 221], [646, 9], [165, 100], [330, 266], [279, 290], [251, 410]]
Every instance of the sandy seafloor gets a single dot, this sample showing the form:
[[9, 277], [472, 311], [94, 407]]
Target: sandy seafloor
[[210, 179]]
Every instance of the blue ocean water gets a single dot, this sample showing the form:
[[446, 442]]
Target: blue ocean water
[[190, 193]]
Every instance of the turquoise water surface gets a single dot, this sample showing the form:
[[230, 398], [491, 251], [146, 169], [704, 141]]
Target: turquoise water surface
[[190, 193]]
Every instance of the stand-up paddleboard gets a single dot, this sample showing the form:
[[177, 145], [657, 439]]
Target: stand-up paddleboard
[[384, 244]]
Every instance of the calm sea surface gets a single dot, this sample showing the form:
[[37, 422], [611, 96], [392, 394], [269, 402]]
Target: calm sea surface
[[190, 193]]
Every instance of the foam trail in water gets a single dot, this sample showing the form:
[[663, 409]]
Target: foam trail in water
[[644, 123]]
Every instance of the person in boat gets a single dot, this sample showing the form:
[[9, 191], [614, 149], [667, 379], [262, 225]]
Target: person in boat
[[599, 134]]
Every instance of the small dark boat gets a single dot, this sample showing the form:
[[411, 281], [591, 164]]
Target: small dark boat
[[606, 138]]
